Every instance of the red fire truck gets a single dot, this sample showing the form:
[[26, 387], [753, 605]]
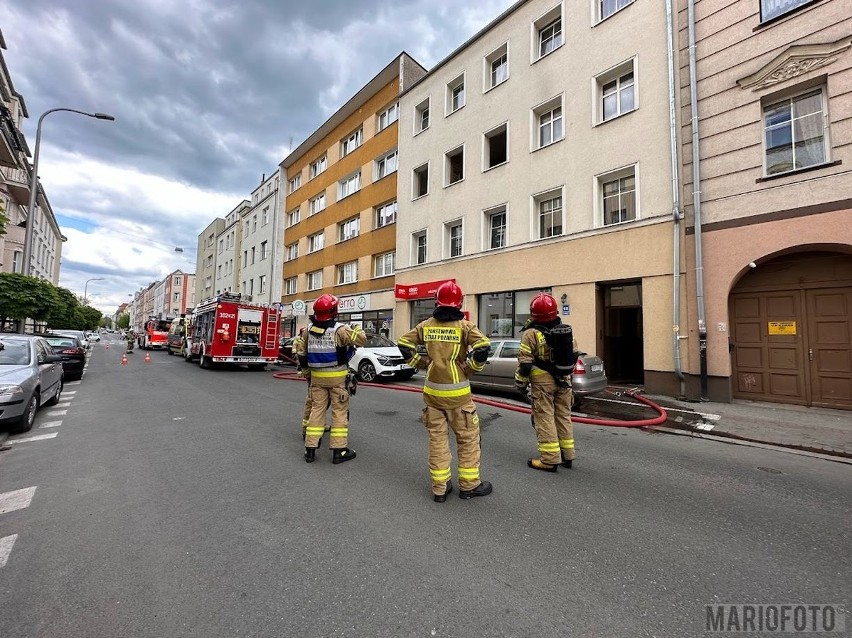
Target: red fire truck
[[226, 329], [155, 334]]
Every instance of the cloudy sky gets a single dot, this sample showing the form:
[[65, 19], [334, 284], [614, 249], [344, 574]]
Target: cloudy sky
[[208, 96]]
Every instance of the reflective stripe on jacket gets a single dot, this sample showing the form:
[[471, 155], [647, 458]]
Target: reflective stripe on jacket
[[533, 347], [322, 352]]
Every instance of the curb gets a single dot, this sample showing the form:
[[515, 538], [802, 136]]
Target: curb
[[835, 456]]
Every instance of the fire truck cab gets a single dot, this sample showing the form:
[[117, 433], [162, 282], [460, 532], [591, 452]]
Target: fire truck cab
[[226, 329], [154, 335]]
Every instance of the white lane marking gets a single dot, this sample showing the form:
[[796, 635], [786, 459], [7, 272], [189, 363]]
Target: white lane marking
[[705, 426], [57, 413], [37, 437], [6, 544], [73, 383], [711, 417], [16, 500], [71, 392], [50, 424], [62, 405]]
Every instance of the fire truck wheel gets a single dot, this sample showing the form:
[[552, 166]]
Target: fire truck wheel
[[204, 361]]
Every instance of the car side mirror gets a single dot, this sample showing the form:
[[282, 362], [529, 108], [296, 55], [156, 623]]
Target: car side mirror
[[53, 358]]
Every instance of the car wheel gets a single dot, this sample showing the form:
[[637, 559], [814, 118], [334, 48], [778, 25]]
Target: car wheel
[[366, 371], [204, 361], [58, 395], [25, 424]]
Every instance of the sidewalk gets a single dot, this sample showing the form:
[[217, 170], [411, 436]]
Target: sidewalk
[[817, 430]]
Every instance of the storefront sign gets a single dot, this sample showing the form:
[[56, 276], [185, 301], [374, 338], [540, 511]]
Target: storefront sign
[[354, 303], [418, 291], [782, 327], [298, 307]]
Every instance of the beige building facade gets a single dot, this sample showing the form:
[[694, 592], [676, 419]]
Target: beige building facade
[[205, 260], [527, 163], [774, 234]]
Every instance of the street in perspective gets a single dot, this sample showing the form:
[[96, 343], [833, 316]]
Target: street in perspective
[[159, 498]]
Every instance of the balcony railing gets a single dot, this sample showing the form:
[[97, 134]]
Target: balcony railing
[[17, 180]]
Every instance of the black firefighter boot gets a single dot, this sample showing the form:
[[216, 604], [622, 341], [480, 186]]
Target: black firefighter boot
[[566, 462], [310, 454], [341, 455]]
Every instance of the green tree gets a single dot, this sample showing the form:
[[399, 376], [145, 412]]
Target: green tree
[[22, 297], [63, 314], [86, 318], [123, 321], [105, 322]]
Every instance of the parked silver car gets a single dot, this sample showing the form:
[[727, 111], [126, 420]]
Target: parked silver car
[[30, 376], [499, 372]]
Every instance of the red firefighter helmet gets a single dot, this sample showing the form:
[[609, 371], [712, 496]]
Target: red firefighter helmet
[[325, 307], [449, 294], [543, 308]]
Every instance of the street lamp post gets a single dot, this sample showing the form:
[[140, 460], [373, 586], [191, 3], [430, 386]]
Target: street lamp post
[[86, 289], [28, 236]]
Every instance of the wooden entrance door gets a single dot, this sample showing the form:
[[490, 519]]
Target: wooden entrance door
[[829, 316]]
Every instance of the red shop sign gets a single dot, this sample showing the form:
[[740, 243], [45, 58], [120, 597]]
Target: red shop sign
[[418, 291]]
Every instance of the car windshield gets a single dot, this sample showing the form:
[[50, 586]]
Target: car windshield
[[14, 352], [378, 341]]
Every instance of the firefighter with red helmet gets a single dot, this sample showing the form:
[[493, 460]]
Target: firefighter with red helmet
[[546, 360], [455, 350], [328, 348]]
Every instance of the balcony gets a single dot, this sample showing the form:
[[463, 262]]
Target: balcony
[[11, 142], [17, 180]]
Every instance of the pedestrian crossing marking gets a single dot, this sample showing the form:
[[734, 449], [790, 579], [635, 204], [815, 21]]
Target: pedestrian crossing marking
[[6, 544], [72, 383], [50, 424], [57, 413], [63, 405], [16, 500], [37, 437]]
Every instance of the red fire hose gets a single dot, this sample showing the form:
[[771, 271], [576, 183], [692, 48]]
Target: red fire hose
[[613, 423]]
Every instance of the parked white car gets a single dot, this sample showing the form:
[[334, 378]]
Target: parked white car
[[380, 359]]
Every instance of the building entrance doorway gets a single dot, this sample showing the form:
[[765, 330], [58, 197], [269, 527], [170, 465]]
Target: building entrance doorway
[[623, 347]]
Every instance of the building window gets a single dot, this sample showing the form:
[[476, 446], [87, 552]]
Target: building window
[[265, 219], [548, 119], [316, 242], [252, 254], [455, 94], [454, 239], [245, 258], [349, 144], [221, 246], [454, 166], [263, 252], [421, 180], [261, 284], [418, 243], [347, 273], [386, 165], [293, 217], [177, 280], [388, 116], [497, 66], [349, 186], [385, 214], [495, 225], [770, 9], [495, 148], [290, 286], [176, 297], [421, 116], [348, 229], [295, 182], [292, 251], [548, 211], [17, 261], [618, 196], [616, 91], [253, 227], [318, 166], [795, 133], [548, 32], [246, 228], [607, 7], [317, 204], [315, 280], [384, 265]]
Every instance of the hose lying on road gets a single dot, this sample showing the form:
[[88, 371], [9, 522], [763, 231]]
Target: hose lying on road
[[661, 417]]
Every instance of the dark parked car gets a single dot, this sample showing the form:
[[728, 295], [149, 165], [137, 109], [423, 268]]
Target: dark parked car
[[73, 353], [30, 376], [499, 373], [285, 351]]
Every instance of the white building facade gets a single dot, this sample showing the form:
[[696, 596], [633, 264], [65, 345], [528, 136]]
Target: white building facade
[[260, 249]]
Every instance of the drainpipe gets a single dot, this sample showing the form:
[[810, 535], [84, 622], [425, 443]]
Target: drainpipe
[[676, 212], [696, 200]]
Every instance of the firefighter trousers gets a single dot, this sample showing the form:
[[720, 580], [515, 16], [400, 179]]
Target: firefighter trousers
[[551, 417], [336, 397], [465, 424]]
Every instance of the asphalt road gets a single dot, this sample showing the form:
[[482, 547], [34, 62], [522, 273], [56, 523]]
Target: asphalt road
[[174, 502]]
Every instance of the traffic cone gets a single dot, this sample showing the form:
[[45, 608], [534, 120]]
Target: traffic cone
[[107, 346], [124, 359], [147, 357]]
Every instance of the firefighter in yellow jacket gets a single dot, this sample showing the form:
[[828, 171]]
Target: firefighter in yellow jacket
[[298, 352], [545, 361], [328, 347], [455, 350]]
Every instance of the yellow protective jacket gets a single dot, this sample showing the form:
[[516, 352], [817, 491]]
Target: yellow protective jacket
[[447, 366], [534, 346]]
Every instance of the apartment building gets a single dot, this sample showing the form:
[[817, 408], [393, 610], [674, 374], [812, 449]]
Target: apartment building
[[773, 236], [260, 249], [538, 156], [340, 207], [16, 183], [228, 241], [205, 256], [178, 294]]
